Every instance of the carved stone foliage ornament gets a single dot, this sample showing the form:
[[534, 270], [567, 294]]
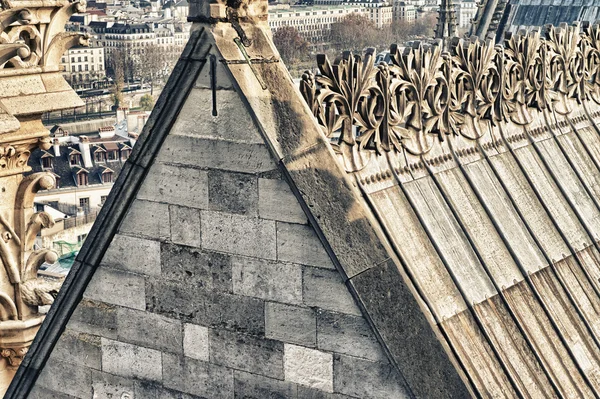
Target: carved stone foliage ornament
[[427, 94]]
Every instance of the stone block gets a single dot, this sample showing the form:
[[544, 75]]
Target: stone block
[[147, 219], [291, 324], [176, 185], [309, 367], [347, 334], [93, 317], [325, 289], [38, 392], [238, 235], [211, 270], [366, 379], [195, 342], [185, 225], [276, 281], [311, 393], [73, 379], [133, 254], [277, 202], [197, 377], [223, 82], [252, 386], [131, 361], [300, 244], [243, 352], [231, 121], [187, 302], [106, 385], [149, 330], [233, 192], [118, 288], [236, 313], [79, 348], [18, 86], [216, 154], [156, 390]]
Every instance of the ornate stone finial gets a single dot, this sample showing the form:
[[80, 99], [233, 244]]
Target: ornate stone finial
[[446, 25], [32, 42]]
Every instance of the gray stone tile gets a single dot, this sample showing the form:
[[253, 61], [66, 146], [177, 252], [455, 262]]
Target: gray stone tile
[[347, 334], [94, 318], [133, 254], [117, 287], [277, 202], [243, 352], [325, 289], [211, 270], [291, 324], [311, 393], [147, 219], [189, 303], [149, 330], [74, 380], [308, 367], [300, 244], [175, 185], [238, 235], [197, 377], [276, 281], [195, 342], [156, 390], [131, 361], [365, 379], [216, 153], [79, 348], [39, 392], [105, 385], [185, 225], [233, 192], [253, 386]]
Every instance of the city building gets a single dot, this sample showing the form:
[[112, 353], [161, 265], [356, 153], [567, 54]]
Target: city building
[[313, 23], [84, 66], [465, 12], [404, 11]]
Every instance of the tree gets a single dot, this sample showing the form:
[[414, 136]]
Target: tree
[[292, 47], [117, 64], [147, 102], [354, 33]]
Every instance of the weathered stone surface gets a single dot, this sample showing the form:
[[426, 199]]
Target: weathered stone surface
[[185, 225], [242, 352], [239, 235], [210, 270], [312, 393], [299, 244], [291, 324], [309, 367], [189, 303], [276, 201], [195, 341], [366, 379], [133, 254], [147, 219], [347, 334], [276, 281], [253, 386], [233, 192], [149, 330], [105, 385], [197, 377], [231, 121], [216, 153], [131, 361], [118, 288], [79, 348], [175, 185], [40, 392], [156, 390], [413, 343], [96, 318], [325, 289], [57, 382]]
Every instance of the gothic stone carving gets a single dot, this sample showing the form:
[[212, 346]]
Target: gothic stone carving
[[427, 94]]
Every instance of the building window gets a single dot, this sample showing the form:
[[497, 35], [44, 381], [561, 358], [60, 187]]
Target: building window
[[99, 156], [47, 163], [103, 199], [107, 177], [112, 155], [125, 154], [81, 238], [74, 159], [84, 202], [82, 180]]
